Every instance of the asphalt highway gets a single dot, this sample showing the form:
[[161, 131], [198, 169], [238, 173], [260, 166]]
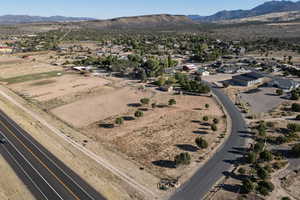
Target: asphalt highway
[[204, 179], [45, 176]]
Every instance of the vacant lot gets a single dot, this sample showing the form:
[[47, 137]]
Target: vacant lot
[[153, 140], [89, 110], [15, 67], [47, 89]]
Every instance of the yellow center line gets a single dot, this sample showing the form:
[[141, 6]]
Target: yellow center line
[[41, 162]]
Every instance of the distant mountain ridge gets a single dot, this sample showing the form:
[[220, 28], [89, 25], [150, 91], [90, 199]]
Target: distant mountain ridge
[[161, 21], [263, 9], [18, 19]]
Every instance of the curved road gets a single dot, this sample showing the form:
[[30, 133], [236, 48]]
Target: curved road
[[204, 179]]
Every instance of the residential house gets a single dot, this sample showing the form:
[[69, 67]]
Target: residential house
[[287, 85], [248, 79]]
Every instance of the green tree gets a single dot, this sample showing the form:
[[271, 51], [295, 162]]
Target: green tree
[[251, 157], [172, 102], [139, 113], [119, 121], [247, 186], [206, 106], [262, 173], [266, 155], [205, 118], [145, 101], [214, 127], [294, 96], [182, 159], [258, 147], [295, 107], [279, 92], [201, 143], [265, 187]]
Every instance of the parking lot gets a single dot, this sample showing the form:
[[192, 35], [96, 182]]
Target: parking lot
[[262, 100]]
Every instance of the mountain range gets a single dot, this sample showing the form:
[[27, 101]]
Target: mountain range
[[263, 9], [18, 19]]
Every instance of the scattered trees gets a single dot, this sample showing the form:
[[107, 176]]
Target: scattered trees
[[265, 187], [266, 155], [251, 157], [247, 186]]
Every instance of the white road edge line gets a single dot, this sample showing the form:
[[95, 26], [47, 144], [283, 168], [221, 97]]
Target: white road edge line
[[87, 152], [30, 165], [26, 174], [44, 154]]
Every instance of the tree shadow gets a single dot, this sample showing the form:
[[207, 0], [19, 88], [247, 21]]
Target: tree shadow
[[205, 124], [270, 94], [106, 125], [231, 188], [128, 118], [196, 121], [162, 106], [200, 132], [165, 163], [199, 109], [187, 147], [235, 176], [135, 105], [143, 109]]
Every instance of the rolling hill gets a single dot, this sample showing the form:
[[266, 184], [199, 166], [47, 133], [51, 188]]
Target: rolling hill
[[263, 9]]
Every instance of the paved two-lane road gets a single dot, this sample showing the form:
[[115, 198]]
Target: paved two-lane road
[[45, 176], [203, 180]]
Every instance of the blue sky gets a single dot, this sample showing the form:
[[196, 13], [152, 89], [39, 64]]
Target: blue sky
[[102, 9]]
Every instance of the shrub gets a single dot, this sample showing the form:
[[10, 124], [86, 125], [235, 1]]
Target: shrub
[[119, 120], [251, 157], [172, 102], [206, 106], [293, 127], [265, 187], [262, 174], [139, 113], [241, 170], [258, 147], [201, 143], [279, 92], [247, 186], [153, 105], [214, 127], [266, 155], [295, 107], [182, 159], [205, 118], [145, 101]]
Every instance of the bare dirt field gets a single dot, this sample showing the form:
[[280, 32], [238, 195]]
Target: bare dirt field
[[13, 66], [89, 110], [47, 89], [153, 140]]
